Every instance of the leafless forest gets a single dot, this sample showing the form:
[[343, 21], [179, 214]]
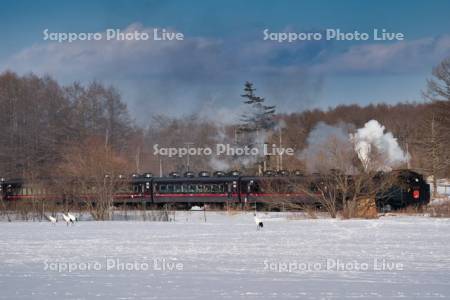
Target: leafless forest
[[50, 131]]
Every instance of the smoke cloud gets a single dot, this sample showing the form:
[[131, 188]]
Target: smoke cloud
[[373, 137], [329, 145], [315, 155]]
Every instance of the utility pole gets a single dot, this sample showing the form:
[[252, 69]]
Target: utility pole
[[138, 160], [281, 154], [408, 160], [187, 156]]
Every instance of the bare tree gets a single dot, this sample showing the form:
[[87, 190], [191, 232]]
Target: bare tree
[[92, 174], [343, 182], [433, 144], [285, 193], [435, 133]]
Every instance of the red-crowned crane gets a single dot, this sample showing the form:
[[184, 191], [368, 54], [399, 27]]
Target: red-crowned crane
[[67, 219], [258, 221], [51, 219]]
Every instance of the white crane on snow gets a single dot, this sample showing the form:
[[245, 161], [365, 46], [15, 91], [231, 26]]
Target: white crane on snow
[[73, 219], [67, 218], [258, 221], [51, 219]]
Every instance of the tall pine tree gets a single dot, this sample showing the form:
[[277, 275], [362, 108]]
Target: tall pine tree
[[258, 117], [256, 123]]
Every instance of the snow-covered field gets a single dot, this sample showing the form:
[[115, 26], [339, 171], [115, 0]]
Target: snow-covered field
[[226, 257]]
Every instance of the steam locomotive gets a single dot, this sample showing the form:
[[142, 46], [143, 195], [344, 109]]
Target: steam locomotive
[[408, 188]]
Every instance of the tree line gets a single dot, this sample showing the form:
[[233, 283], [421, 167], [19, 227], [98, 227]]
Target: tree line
[[49, 130]]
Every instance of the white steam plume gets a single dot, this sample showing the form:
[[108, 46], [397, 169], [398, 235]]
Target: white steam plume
[[375, 148], [373, 135], [219, 164], [316, 155]]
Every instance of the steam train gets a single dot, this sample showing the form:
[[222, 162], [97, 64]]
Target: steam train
[[408, 188]]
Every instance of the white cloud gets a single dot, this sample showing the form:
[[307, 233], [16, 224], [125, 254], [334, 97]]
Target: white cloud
[[181, 77], [174, 77], [398, 57], [115, 59]]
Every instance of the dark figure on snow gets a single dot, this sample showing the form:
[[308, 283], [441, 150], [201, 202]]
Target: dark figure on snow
[[259, 223]]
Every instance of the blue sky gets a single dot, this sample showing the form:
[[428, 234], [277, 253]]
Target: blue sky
[[223, 47]]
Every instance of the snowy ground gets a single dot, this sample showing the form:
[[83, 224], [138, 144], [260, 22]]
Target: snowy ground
[[227, 258]]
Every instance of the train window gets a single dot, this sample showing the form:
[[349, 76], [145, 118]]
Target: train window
[[199, 188], [177, 188], [191, 188], [162, 188], [207, 188]]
